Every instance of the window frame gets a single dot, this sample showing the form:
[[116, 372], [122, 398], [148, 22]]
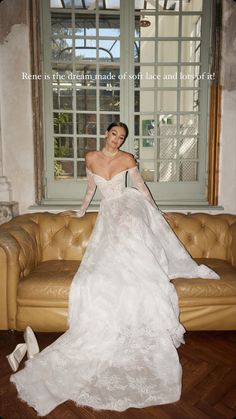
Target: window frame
[[39, 119]]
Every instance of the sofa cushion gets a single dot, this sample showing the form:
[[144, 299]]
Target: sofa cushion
[[225, 288], [48, 284]]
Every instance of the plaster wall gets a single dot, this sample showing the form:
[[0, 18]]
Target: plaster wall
[[15, 98]]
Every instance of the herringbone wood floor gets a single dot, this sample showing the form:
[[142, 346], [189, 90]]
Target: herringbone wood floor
[[209, 383]]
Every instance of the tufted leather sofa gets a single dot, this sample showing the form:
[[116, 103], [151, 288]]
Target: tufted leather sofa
[[39, 254]]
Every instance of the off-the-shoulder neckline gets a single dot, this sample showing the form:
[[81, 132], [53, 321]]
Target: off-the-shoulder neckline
[[107, 180]]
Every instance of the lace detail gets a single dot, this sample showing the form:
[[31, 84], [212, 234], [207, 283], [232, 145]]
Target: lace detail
[[90, 190], [128, 378], [113, 188], [120, 349], [141, 186]]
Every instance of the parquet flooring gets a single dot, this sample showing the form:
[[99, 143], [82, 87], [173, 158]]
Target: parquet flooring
[[209, 383]]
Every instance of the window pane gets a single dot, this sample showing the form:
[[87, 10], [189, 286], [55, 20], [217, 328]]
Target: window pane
[[147, 170], [168, 148], [144, 101], [109, 25], [144, 5], [188, 171], [109, 100], [169, 5], [137, 28], [109, 76], [197, 51], [112, 4], [188, 148], [137, 130], [63, 169], [167, 124], [84, 145], [148, 128], [62, 49], [102, 143], [86, 124], [168, 76], [147, 51], [86, 99], [63, 147], [167, 101], [147, 25], [168, 26], [62, 72], [136, 52], [60, 4], [85, 25], [106, 120], [85, 49], [166, 128], [168, 51], [88, 4], [81, 169], [61, 25], [62, 97], [85, 75], [168, 171], [191, 26], [63, 123], [190, 51], [192, 6], [189, 100], [144, 125], [189, 125], [189, 76], [144, 76], [136, 148], [109, 50]]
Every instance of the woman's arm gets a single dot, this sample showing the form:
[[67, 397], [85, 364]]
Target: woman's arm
[[91, 187], [141, 186]]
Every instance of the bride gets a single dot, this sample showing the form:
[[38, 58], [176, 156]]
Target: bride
[[120, 348]]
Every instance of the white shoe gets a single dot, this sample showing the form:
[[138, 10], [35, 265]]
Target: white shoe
[[16, 356], [31, 342]]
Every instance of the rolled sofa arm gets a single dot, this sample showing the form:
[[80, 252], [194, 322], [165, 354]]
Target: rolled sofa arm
[[19, 255], [233, 245]]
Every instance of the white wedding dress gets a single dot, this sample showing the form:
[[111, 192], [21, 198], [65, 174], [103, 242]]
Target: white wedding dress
[[120, 348]]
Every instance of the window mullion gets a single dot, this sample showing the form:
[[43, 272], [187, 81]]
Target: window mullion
[[127, 68]]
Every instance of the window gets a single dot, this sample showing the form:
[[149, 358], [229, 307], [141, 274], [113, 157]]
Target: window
[[143, 62]]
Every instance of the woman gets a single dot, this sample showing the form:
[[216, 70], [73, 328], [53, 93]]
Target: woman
[[120, 348]]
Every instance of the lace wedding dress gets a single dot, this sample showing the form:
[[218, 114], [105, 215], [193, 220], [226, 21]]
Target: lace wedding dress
[[120, 348]]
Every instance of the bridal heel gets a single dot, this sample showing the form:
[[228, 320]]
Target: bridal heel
[[31, 342], [16, 356]]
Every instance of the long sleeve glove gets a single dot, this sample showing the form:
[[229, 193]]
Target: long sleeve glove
[[140, 185], [91, 187]]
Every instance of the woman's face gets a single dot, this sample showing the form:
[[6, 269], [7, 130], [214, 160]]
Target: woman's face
[[115, 137]]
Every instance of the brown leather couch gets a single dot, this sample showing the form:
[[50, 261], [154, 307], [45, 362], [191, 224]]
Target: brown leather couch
[[40, 252]]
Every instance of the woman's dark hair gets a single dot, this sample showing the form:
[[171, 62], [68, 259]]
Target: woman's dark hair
[[119, 124]]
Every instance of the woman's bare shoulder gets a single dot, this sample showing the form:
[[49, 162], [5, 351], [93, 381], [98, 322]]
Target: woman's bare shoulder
[[90, 157], [129, 159]]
